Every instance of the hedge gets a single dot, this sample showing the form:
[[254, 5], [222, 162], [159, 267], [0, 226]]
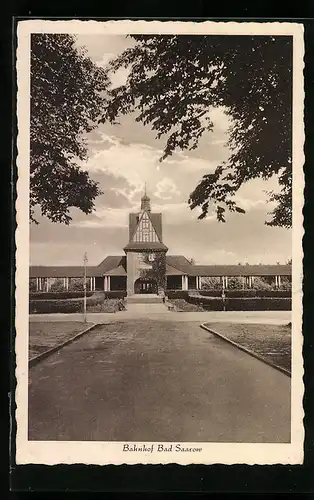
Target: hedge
[[58, 295], [242, 304], [115, 294], [259, 304], [94, 304], [238, 294], [55, 306], [177, 294], [210, 293], [274, 293], [213, 304]]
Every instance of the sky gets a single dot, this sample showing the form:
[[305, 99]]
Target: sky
[[122, 158]]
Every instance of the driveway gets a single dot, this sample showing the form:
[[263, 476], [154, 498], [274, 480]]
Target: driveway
[[157, 381]]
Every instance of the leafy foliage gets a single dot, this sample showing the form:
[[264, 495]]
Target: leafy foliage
[[157, 270], [236, 283], [77, 284], [211, 283], [57, 286], [175, 81], [67, 95]]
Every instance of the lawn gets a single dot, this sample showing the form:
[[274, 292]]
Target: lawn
[[45, 335], [272, 342]]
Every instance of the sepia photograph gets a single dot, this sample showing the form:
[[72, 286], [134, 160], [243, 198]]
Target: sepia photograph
[[159, 242]]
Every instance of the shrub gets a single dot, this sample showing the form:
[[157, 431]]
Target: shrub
[[274, 293], [213, 304], [183, 305], [211, 283], [240, 293], [76, 284], [55, 306], [57, 286], [260, 283], [285, 284], [177, 294], [235, 283], [242, 304], [258, 304], [115, 294], [58, 295], [94, 303], [210, 293], [208, 303], [32, 285]]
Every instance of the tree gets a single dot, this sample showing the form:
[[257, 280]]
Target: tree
[[175, 81], [67, 95]]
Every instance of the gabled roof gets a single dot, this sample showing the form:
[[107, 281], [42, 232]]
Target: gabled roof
[[157, 223], [117, 271], [172, 271], [111, 262], [179, 262], [156, 220]]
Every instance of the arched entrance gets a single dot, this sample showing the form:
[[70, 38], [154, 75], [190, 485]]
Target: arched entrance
[[145, 285]]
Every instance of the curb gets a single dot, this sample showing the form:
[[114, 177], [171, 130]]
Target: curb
[[247, 351], [45, 354]]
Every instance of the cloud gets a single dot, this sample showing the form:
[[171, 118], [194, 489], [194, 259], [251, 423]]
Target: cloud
[[106, 217], [138, 163], [166, 189]]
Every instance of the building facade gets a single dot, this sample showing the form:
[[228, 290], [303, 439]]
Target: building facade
[[146, 266]]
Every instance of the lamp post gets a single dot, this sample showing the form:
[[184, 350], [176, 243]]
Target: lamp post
[[85, 262]]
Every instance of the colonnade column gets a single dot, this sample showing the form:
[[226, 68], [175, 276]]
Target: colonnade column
[[198, 282], [224, 282], [249, 281], [185, 285], [107, 283]]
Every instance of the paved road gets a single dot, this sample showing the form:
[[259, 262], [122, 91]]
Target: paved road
[[267, 317], [157, 381]]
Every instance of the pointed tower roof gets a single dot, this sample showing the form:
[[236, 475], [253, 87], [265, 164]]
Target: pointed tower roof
[[145, 201]]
